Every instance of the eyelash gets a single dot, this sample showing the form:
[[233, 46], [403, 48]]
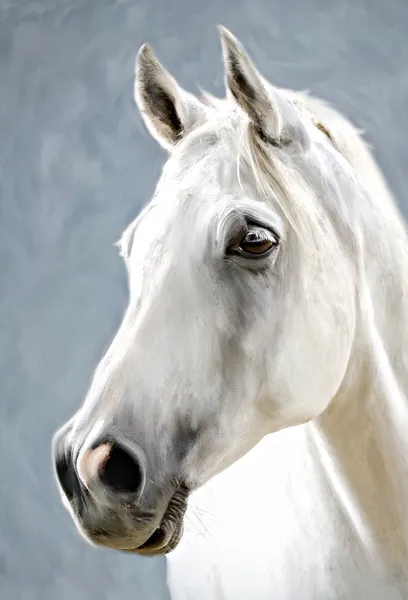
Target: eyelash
[[235, 248]]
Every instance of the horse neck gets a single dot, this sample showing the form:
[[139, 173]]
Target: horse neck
[[361, 440]]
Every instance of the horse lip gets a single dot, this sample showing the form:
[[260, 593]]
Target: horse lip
[[166, 537], [161, 542]]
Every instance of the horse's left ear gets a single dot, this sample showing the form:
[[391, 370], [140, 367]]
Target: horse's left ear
[[274, 118], [168, 110], [246, 85]]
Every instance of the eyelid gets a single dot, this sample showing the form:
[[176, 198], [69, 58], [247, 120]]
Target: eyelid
[[242, 223], [261, 217]]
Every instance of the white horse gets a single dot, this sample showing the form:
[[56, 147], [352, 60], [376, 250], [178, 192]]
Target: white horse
[[268, 295]]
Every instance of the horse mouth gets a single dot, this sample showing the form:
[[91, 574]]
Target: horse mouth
[[166, 537]]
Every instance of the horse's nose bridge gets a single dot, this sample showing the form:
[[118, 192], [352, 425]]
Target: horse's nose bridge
[[106, 406], [122, 404]]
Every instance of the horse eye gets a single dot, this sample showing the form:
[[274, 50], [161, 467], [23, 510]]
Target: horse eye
[[258, 242]]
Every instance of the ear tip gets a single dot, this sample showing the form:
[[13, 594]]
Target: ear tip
[[145, 50], [224, 32], [229, 42], [144, 55]]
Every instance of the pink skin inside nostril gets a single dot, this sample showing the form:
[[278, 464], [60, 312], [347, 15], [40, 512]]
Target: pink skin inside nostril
[[92, 462]]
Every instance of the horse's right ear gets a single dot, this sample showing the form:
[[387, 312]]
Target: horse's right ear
[[168, 110]]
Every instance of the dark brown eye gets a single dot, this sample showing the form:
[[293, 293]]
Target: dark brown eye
[[257, 242]]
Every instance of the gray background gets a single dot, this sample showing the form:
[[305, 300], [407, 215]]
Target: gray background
[[75, 167]]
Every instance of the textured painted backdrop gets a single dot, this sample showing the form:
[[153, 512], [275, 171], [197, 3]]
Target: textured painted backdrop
[[76, 165]]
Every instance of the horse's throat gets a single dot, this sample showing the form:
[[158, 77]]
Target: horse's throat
[[361, 442]]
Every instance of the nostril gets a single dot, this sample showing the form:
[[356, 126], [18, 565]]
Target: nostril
[[121, 471]]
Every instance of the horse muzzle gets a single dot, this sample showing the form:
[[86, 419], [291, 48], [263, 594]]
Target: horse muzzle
[[111, 499]]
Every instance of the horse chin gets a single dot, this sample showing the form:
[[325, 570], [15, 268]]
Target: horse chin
[[168, 535]]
